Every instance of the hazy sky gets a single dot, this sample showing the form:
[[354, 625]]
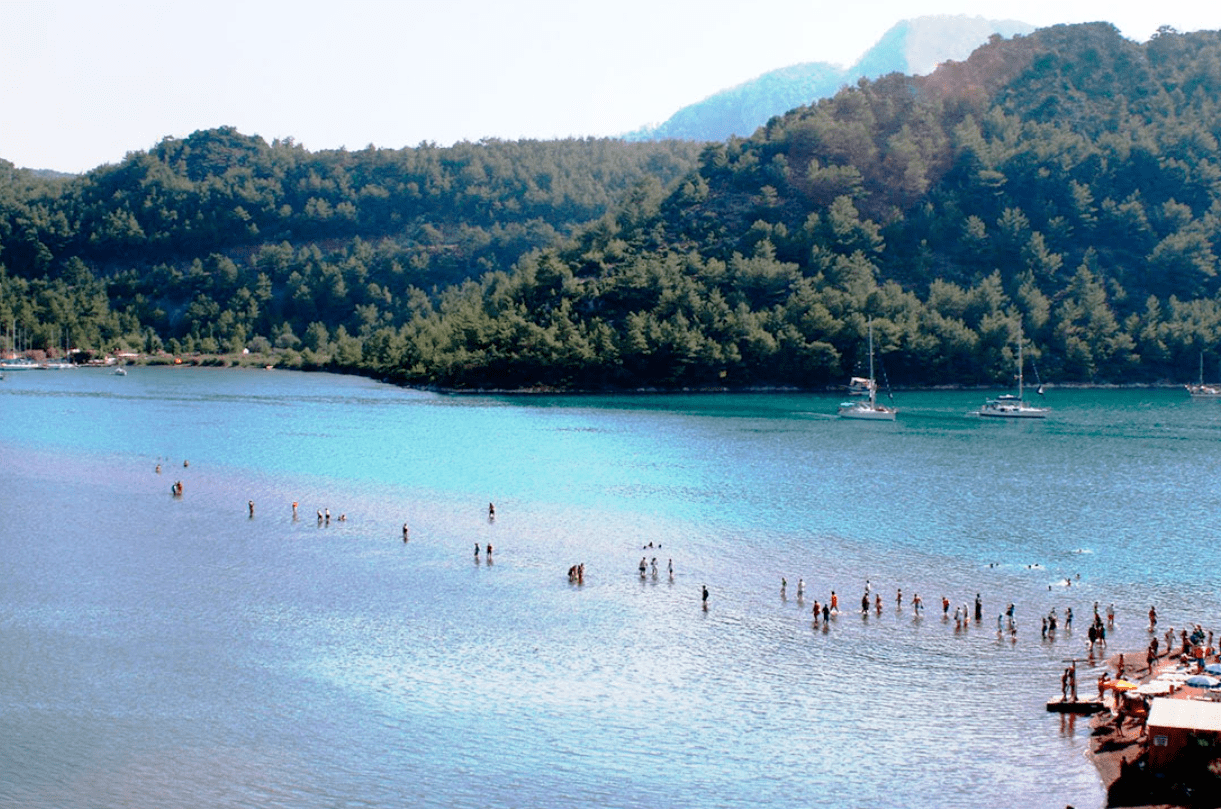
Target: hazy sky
[[86, 81]]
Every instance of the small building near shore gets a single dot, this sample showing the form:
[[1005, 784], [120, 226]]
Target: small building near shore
[[1180, 729]]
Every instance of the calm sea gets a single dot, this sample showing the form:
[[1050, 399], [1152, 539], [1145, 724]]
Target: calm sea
[[178, 652]]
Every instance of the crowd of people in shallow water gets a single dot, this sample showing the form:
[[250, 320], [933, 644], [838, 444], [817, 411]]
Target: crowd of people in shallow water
[[1194, 645]]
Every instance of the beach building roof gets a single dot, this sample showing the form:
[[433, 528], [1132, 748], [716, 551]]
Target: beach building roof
[[1185, 714]]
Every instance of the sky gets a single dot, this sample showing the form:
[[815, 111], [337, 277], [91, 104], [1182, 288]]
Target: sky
[[84, 82]]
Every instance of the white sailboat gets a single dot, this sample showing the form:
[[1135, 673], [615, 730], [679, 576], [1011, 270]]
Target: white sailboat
[[867, 409], [1008, 406], [1200, 390]]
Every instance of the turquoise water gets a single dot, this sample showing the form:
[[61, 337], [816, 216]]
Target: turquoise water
[[163, 652]]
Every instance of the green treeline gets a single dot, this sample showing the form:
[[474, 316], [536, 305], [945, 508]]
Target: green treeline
[[221, 241], [1067, 184]]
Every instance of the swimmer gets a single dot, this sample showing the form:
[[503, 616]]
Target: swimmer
[[491, 511], [343, 517], [834, 603], [653, 567], [704, 595], [801, 587], [250, 504], [476, 550], [817, 611], [644, 566], [899, 599], [294, 509], [489, 550], [670, 567], [158, 469], [877, 604], [186, 464], [783, 584], [406, 532]]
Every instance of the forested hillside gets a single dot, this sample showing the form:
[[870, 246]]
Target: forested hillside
[[1066, 184], [207, 243]]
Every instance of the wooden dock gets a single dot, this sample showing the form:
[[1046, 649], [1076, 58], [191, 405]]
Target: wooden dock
[[1059, 704]]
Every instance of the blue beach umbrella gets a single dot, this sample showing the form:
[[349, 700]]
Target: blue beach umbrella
[[1202, 681], [1213, 669]]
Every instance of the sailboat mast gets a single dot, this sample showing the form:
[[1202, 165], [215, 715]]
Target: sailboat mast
[[873, 384], [1019, 367]]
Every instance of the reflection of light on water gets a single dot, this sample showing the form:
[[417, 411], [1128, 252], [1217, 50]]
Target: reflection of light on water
[[408, 667]]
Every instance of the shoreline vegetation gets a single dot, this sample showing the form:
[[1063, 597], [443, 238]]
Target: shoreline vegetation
[[1057, 188], [278, 362]]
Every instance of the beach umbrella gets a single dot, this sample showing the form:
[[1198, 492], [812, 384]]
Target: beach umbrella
[[1202, 681], [1154, 689], [1213, 669], [1121, 685]]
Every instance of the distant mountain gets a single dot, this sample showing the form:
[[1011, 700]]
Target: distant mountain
[[912, 47]]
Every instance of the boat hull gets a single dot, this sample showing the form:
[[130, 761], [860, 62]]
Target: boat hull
[[1015, 413], [867, 413]]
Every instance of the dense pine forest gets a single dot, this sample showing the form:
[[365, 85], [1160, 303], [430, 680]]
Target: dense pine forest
[[1065, 186]]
